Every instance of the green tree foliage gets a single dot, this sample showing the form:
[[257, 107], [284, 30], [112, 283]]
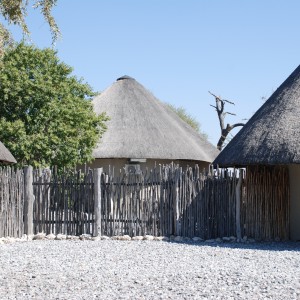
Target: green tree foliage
[[186, 117], [46, 115], [15, 11]]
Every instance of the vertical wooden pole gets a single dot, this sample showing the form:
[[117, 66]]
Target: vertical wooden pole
[[238, 206], [28, 200], [97, 201], [176, 204]]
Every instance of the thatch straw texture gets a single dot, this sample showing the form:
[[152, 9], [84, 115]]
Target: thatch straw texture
[[142, 127], [272, 135], [5, 155]]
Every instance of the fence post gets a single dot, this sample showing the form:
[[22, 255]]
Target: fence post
[[28, 200], [176, 203], [97, 201], [238, 206]]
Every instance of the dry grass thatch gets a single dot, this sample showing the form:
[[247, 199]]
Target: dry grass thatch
[[5, 155], [142, 127], [272, 135]]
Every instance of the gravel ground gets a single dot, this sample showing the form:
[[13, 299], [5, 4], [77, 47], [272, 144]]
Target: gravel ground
[[110, 269]]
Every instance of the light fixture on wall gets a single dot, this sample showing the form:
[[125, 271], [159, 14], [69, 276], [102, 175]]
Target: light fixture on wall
[[137, 160]]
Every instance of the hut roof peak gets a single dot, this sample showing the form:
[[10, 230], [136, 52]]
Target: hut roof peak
[[125, 77]]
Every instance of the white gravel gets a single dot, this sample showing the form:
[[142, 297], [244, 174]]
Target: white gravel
[[110, 269]]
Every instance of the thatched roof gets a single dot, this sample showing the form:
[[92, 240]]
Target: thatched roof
[[143, 127], [272, 135], [5, 155]]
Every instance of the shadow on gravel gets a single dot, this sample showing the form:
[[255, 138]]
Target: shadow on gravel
[[269, 246]]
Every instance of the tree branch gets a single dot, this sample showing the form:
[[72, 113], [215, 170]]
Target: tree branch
[[214, 95], [219, 98], [225, 133], [230, 113], [220, 103], [237, 125], [228, 102]]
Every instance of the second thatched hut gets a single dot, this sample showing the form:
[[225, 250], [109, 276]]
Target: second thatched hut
[[143, 132], [268, 146]]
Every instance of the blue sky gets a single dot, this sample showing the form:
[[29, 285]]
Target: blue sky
[[180, 50]]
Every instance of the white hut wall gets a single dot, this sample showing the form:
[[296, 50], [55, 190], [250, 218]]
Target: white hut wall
[[294, 174], [119, 164]]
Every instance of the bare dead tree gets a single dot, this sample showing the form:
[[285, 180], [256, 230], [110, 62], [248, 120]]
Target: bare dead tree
[[225, 130]]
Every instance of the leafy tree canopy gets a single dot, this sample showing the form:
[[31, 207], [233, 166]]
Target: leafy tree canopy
[[46, 116], [186, 117], [15, 11]]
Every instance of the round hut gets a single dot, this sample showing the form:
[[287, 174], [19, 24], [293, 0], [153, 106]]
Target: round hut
[[269, 147], [143, 132], [5, 156]]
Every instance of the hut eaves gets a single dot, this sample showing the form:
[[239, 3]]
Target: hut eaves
[[5, 155]]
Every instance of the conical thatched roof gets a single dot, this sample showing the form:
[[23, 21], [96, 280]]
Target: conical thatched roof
[[272, 135], [5, 155], [142, 127]]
